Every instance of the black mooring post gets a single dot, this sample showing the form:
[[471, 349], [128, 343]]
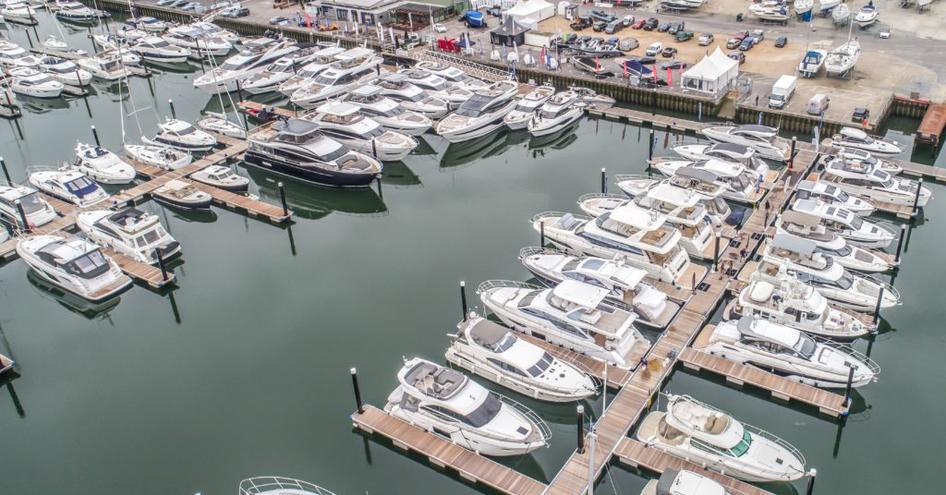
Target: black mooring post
[[239, 91], [716, 252], [6, 173], [880, 299], [29, 38], [22, 212], [797, 316], [896, 260], [354, 384], [95, 135], [463, 299], [811, 481], [916, 197], [581, 428], [377, 179], [282, 197], [164, 269], [374, 149], [791, 153], [850, 384], [604, 181], [541, 233], [173, 113], [650, 148], [9, 229]]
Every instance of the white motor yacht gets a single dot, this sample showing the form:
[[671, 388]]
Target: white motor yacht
[[867, 16], [526, 107], [132, 232], [221, 177], [183, 136], [562, 110], [682, 208], [858, 155], [69, 185], [163, 157], [410, 97], [770, 11], [572, 315], [790, 353], [826, 192], [728, 152], [481, 114], [709, 437], [762, 138], [102, 165], [740, 182], [279, 485], [848, 225], [28, 81], [157, 49], [351, 69], [299, 149], [198, 43], [630, 234], [674, 482], [818, 239], [76, 12], [446, 402], [387, 112], [812, 63], [13, 55], [498, 355], [212, 30], [19, 11], [270, 79], [38, 212], [218, 123], [438, 87], [850, 137], [64, 71], [130, 35], [321, 60], [841, 61], [796, 304], [147, 24], [702, 183], [343, 122], [255, 55], [625, 285], [108, 66], [864, 180], [74, 265], [451, 74]]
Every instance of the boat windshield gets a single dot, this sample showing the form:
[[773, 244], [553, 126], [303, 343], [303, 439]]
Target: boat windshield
[[185, 131], [147, 238], [474, 106], [856, 223], [543, 364], [743, 446], [89, 265], [81, 186], [504, 343], [32, 203], [485, 412], [805, 346]]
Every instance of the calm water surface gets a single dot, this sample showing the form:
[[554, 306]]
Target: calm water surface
[[243, 370]]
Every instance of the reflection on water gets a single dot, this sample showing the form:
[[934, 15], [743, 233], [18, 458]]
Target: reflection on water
[[88, 309], [557, 141], [41, 105], [460, 154], [190, 216], [399, 174], [313, 202]]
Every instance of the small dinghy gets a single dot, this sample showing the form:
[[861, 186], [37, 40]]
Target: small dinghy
[[102, 165], [222, 177], [180, 194], [183, 136], [217, 122], [867, 15], [163, 157]]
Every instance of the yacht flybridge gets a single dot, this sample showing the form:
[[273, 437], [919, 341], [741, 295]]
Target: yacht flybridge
[[351, 69], [519, 117], [674, 482], [790, 353], [183, 136], [740, 182], [454, 94], [682, 208], [446, 402], [298, 149], [816, 238], [859, 155], [103, 165], [74, 265], [866, 180], [730, 152], [850, 137], [497, 354], [630, 234], [320, 60], [848, 225], [38, 212], [625, 285], [572, 315], [558, 113], [131, 232], [451, 74], [256, 54], [69, 185], [707, 436], [200, 45], [343, 122], [411, 97], [833, 195], [700, 182], [481, 114], [763, 139], [387, 112]]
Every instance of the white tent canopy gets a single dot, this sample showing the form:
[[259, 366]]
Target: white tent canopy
[[713, 75], [530, 12]]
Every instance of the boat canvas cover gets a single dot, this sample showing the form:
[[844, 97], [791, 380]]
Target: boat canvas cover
[[857, 134], [793, 243], [487, 333], [702, 175], [582, 294], [666, 482]]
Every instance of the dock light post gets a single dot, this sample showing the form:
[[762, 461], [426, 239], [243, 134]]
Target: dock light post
[[811, 481], [282, 197], [354, 384], [377, 179], [880, 298], [903, 233], [6, 173], [580, 410], [173, 113], [164, 269], [916, 197], [95, 135], [604, 181], [463, 300], [22, 212]]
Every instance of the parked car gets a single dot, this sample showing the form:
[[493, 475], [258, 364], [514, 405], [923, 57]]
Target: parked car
[[651, 24], [235, 11], [638, 24], [581, 23], [747, 44], [738, 57], [673, 65], [613, 27], [676, 27], [684, 36], [600, 15], [758, 34], [706, 39], [628, 20], [733, 43], [781, 41], [668, 52], [279, 20], [650, 83], [495, 11], [663, 27], [628, 44], [599, 26], [654, 49]]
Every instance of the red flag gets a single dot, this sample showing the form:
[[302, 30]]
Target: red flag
[[308, 20], [654, 72], [597, 64], [669, 76], [624, 66]]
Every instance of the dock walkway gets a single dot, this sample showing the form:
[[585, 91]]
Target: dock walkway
[[931, 127]]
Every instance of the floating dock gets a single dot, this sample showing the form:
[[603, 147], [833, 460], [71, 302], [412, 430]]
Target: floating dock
[[931, 127]]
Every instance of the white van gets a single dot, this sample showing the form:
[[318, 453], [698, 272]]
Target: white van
[[818, 104], [782, 90]]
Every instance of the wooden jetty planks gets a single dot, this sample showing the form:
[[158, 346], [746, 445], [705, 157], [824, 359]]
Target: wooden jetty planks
[[253, 207], [441, 452], [137, 270], [637, 454]]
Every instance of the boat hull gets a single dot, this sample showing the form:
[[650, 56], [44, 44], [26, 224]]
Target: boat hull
[[313, 175]]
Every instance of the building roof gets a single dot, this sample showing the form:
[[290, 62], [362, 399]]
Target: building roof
[[510, 27], [712, 67]]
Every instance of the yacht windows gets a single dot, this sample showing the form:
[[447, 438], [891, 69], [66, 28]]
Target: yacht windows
[[485, 412], [506, 366], [474, 106], [503, 344], [149, 237], [743, 446], [543, 364], [89, 265], [81, 186], [805, 346], [31, 203]]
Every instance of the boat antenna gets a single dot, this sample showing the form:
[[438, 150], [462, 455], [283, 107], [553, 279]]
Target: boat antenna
[[223, 109]]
